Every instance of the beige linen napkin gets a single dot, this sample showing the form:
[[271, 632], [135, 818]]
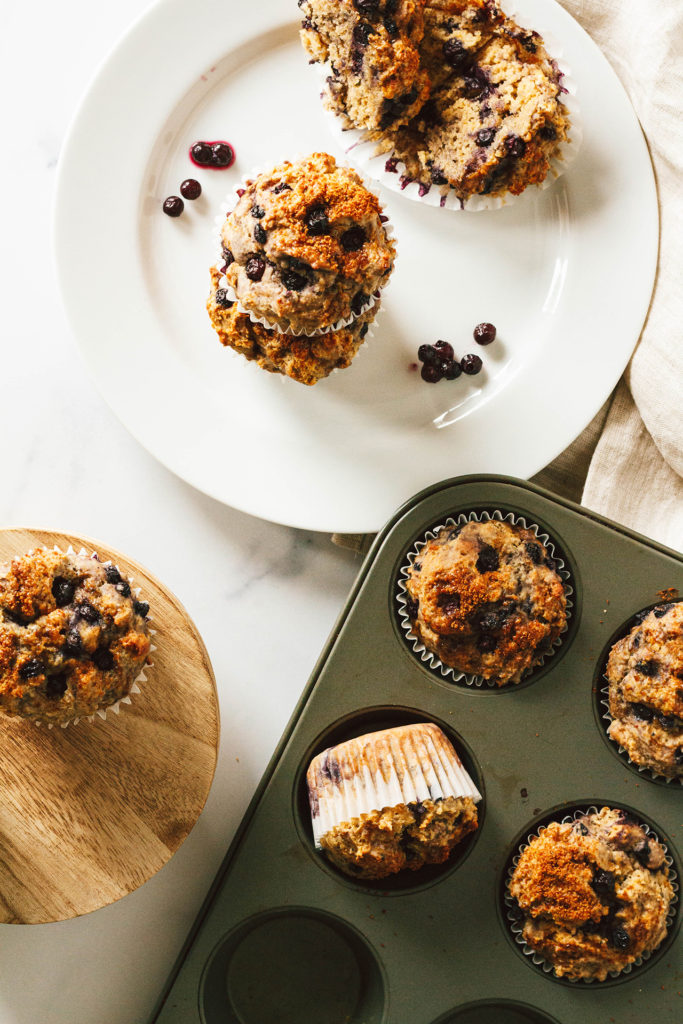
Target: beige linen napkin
[[628, 463]]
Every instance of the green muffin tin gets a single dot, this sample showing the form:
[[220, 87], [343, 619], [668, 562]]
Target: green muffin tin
[[283, 938]]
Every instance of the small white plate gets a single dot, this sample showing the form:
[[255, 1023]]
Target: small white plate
[[566, 277]]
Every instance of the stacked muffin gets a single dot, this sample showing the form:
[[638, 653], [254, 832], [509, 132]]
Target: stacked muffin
[[455, 89], [305, 254]]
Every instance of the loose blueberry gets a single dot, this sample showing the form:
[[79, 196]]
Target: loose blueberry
[[55, 687], [103, 659], [201, 154], [222, 299], [221, 154], [123, 588], [260, 234], [353, 239], [471, 364], [484, 334], [452, 369], [444, 349], [317, 221], [141, 608], [63, 590], [427, 354], [292, 281], [173, 206], [86, 611], [190, 189], [31, 669], [485, 136], [431, 373], [647, 668], [488, 559], [255, 268]]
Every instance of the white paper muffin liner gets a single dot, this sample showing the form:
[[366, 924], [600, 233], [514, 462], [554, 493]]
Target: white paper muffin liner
[[516, 924], [226, 208], [141, 677], [361, 149], [429, 658], [405, 765]]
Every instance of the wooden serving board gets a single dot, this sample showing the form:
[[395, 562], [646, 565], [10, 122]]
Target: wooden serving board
[[90, 812]]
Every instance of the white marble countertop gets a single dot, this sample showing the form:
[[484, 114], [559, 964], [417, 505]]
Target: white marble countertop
[[69, 464]]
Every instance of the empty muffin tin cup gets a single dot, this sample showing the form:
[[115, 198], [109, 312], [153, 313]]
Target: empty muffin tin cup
[[602, 709], [496, 1011], [293, 965], [514, 917], [226, 208], [140, 678], [429, 658], [363, 149]]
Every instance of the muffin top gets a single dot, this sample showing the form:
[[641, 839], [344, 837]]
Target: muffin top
[[73, 637], [486, 597], [594, 893], [304, 359], [645, 674], [305, 246]]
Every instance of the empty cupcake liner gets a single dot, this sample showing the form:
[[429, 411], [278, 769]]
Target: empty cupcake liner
[[513, 918], [362, 150], [114, 708], [405, 765], [429, 658], [226, 208]]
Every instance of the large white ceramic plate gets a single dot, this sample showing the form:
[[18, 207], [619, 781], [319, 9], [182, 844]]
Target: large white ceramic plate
[[565, 275]]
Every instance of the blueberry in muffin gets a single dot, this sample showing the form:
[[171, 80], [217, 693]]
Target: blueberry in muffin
[[73, 636], [486, 599], [306, 246], [645, 675], [592, 895]]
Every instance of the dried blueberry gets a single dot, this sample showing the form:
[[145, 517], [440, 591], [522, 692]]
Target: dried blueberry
[[620, 938], [123, 588], [55, 686], [228, 257], [444, 350], [292, 281], [317, 221], [173, 206], [257, 211], [488, 559], [471, 364], [431, 373], [31, 669], [427, 354], [647, 668], [63, 590], [103, 659], [260, 234], [485, 136], [534, 552], [222, 298], [484, 334], [255, 268], [221, 154], [201, 154], [451, 369], [190, 189], [141, 608], [112, 574], [353, 239], [86, 611], [282, 187], [73, 641]]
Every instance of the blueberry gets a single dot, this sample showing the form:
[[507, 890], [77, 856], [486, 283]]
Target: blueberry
[[63, 590], [123, 588], [255, 268], [292, 281], [493, 620], [55, 687], [444, 349], [528, 44], [642, 712], [282, 187], [221, 154], [73, 641], [190, 189], [647, 668], [103, 659], [201, 154], [548, 132], [534, 552], [642, 852], [431, 373], [31, 669], [427, 354], [222, 299], [359, 300], [449, 601], [619, 938], [661, 610], [227, 256], [173, 206], [471, 364], [669, 722], [86, 611], [515, 146], [316, 221], [678, 755], [257, 211], [488, 559], [412, 607], [362, 33], [353, 239], [391, 27], [366, 6], [438, 177], [487, 643], [603, 883], [112, 573], [452, 369], [484, 334], [455, 54], [485, 136], [260, 234], [141, 608]]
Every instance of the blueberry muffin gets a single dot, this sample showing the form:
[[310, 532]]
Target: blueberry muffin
[[593, 895], [391, 800], [371, 47], [645, 674], [306, 246], [304, 359], [73, 638], [487, 599]]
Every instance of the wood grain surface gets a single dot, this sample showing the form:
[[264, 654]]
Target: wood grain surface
[[90, 812]]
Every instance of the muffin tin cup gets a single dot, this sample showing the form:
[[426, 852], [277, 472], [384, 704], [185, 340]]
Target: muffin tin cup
[[544, 965], [429, 658], [362, 149], [114, 708], [604, 717], [226, 208]]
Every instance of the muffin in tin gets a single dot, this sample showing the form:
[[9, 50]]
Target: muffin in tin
[[645, 675], [73, 637], [486, 598], [391, 800], [306, 247], [594, 894], [303, 358]]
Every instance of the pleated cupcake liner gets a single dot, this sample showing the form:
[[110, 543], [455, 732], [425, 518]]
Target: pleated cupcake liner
[[141, 677], [362, 150], [227, 207], [429, 658], [405, 765], [516, 928]]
